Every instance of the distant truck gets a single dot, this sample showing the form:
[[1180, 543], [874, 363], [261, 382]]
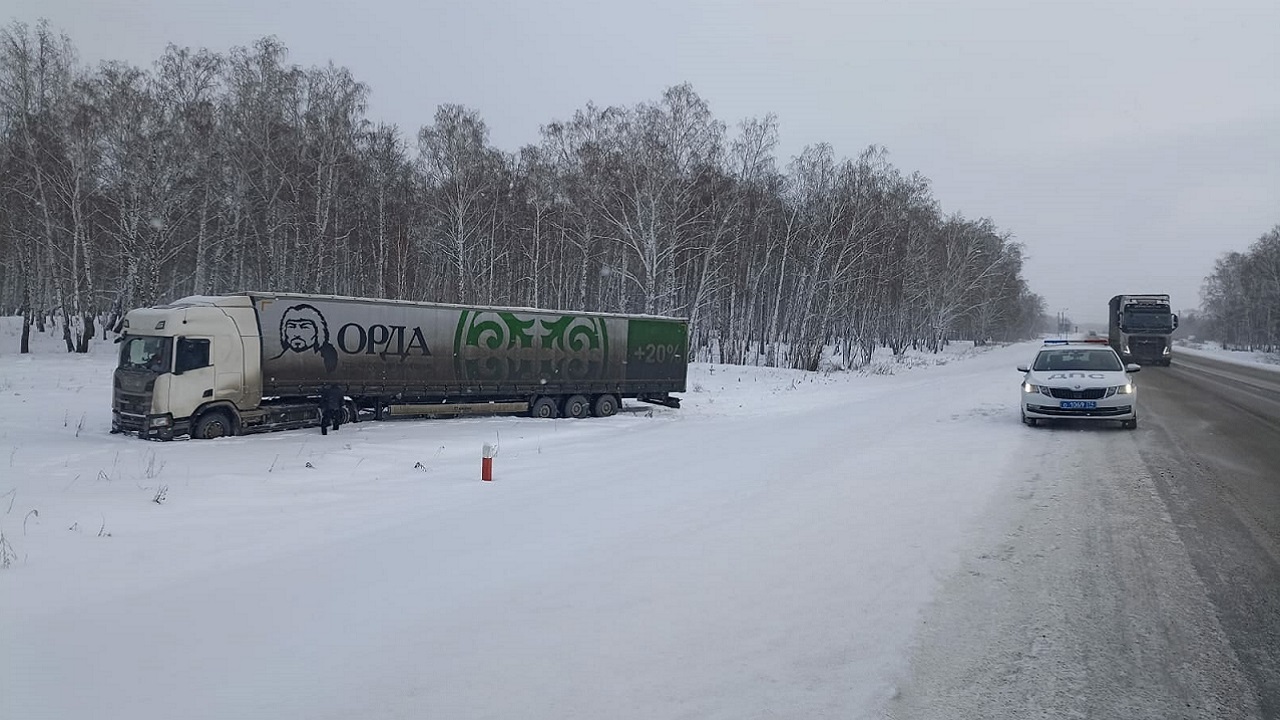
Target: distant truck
[[1141, 328], [253, 362]]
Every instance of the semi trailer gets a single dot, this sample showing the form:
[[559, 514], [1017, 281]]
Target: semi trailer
[[213, 366]]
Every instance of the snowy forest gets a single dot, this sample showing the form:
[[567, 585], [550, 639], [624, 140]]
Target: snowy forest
[[1242, 297], [209, 173]]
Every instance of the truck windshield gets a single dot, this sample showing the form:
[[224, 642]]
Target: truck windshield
[[140, 352], [1147, 321], [1103, 360]]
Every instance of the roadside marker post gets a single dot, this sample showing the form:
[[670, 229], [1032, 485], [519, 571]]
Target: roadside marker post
[[486, 462]]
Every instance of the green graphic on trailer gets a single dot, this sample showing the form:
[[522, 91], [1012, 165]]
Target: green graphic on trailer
[[501, 347], [656, 349]]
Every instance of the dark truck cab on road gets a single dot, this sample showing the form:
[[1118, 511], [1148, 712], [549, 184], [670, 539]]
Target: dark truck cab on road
[[1140, 328]]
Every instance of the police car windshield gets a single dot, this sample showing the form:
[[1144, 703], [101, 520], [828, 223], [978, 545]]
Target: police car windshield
[[1097, 360]]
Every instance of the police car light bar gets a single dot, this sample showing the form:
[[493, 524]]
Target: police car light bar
[[1089, 341]]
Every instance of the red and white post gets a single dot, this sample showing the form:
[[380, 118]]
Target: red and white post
[[486, 462]]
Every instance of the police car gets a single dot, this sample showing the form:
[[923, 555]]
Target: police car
[[1079, 379]]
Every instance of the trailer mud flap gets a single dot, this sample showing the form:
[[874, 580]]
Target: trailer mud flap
[[663, 400]]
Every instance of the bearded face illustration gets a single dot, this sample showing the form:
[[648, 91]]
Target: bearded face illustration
[[299, 333], [303, 328]]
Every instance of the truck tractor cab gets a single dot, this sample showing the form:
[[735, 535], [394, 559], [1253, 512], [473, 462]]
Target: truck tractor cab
[[181, 368]]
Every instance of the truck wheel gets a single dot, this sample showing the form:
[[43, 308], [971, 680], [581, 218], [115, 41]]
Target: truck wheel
[[605, 406], [544, 407], [577, 407], [213, 424]]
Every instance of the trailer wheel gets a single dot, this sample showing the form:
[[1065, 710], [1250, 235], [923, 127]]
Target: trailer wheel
[[605, 406], [213, 424], [544, 407], [577, 407]]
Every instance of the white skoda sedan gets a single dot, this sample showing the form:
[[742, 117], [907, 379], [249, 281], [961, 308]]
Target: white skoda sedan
[[1075, 379]]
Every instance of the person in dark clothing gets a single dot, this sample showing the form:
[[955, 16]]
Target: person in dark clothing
[[331, 400]]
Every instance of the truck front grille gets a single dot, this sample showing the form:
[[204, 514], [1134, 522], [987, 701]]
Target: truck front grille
[[132, 404]]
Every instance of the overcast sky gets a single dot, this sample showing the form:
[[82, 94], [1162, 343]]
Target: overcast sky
[[1126, 144]]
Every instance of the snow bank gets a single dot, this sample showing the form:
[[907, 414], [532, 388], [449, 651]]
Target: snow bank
[[1215, 350], [764, 551]]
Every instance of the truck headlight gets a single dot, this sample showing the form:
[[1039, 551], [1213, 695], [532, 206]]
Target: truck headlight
[[162, 421], [1166, 350]]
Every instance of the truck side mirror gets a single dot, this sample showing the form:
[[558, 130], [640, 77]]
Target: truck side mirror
[[1175, 322]]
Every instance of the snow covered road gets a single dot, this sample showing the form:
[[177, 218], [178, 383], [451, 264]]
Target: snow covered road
[[1132, 575], [1083, 602]]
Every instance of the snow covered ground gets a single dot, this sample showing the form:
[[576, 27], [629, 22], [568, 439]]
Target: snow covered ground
[[1216, 351], [765, 551]]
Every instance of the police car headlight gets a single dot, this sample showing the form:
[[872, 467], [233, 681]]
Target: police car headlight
[[1126, 389], [1029, 388]]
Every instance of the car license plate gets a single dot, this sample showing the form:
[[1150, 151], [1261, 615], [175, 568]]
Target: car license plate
[[1078, 404]]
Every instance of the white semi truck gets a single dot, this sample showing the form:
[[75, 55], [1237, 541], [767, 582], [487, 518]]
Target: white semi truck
[[251, 362]]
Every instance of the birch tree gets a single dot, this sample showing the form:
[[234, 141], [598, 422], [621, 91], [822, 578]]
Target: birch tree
[[461, 172], [215, 172]]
